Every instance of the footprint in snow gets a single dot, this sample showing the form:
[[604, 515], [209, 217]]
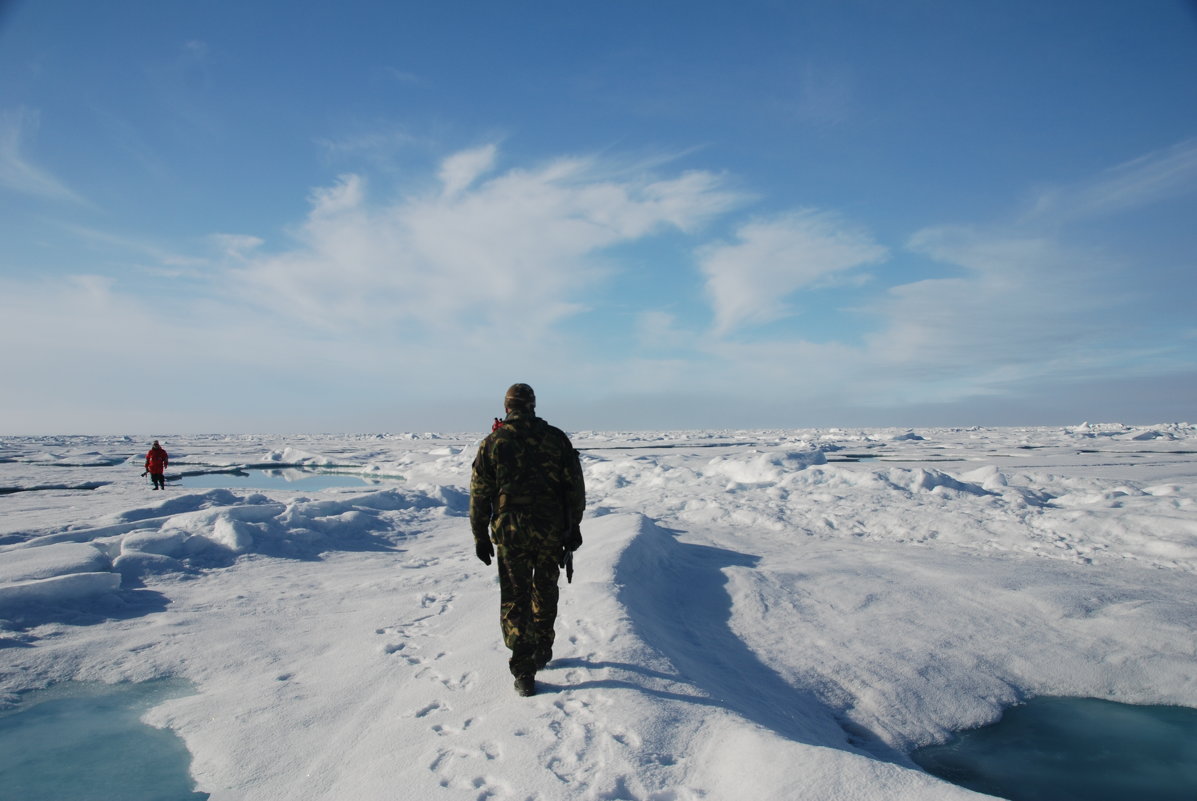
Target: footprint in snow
[[435, 706]]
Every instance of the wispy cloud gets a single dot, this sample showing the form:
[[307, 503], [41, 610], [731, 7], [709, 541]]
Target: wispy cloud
[[658, 330], [1022, 309], [402, 76], [1151, 178], [474, 267], [109, 342], [487, 253], [379, 146], [153, 256], [460, 170], [749, 280], [17, 172], [235, 246], [1029, 306]]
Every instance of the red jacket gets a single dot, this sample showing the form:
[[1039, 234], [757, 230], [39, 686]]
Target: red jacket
[[155, 460]]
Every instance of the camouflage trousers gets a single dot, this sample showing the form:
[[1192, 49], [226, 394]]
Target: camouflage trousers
[[528, 603]]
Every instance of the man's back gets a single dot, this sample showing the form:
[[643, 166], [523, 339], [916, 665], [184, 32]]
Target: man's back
[[527, 497], [529, 468]]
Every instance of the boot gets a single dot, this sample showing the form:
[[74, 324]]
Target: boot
[[525, 685]]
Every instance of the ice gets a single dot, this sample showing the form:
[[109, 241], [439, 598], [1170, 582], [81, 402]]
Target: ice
[[1053, 748], [81, 742], [293, 479], [748, 618], [51, 561]]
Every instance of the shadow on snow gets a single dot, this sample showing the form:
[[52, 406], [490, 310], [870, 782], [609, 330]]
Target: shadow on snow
[[675, 594]]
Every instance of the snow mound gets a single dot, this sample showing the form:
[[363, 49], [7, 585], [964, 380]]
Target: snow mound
[[923, 480], [50, 561], [57, 590], [53, 574], [763, 468], [196, 532], [1151, 433], [294, 456]]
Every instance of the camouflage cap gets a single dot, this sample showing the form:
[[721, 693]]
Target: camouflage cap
[[519, 396]]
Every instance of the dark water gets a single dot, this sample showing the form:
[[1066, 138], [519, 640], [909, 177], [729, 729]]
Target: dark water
[[289, 479], [84, 742], [1075, 749]]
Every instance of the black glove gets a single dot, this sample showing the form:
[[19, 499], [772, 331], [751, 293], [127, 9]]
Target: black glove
[[573, 538], [484, 550]]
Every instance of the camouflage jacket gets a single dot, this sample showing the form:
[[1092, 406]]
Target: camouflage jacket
[[526, 483]]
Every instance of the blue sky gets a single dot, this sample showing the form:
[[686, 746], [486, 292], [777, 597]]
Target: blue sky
[[374, 216]]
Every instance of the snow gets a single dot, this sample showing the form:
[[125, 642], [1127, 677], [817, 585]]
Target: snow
[[755, 614]]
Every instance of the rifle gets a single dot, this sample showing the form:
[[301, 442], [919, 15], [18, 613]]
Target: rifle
[[573, 542]]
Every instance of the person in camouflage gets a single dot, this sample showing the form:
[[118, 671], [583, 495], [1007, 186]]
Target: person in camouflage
[[527, 496]]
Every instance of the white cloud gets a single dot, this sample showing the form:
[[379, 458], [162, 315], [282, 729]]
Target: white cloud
[[658, 330], [1024, 308], [441, 293], [460, 170], [788, 369], [96, 327], [235, 246], [749, 280], [1023, 311], [143, 255], [505, 255], [117, 361], [16, 171], [1151, 178], [1028, 308]]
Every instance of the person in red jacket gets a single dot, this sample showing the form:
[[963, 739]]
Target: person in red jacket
[[155, 464]]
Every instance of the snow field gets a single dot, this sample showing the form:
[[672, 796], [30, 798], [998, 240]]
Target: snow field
[[750, 617]]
